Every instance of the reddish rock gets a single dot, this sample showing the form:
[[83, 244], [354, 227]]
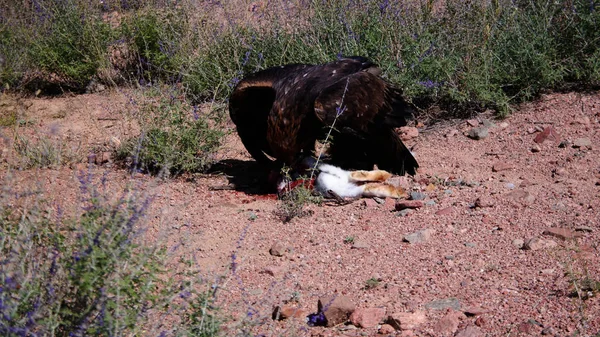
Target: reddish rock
[[484, 201], [274, 271], [537, 243], [369, 203], [278, 249], [367, 317], [525, 327], [561, 233], [406, 320], [470, 331], [408, 132], [336, 308], [448, 324], [475, 311], [502, 166], [386, 329], [404, 204], [521, 196], [480, 321], [549, 133], [473, 122], [288, 311], [445, 211]]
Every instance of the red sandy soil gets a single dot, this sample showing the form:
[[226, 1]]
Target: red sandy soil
[[481, 197]]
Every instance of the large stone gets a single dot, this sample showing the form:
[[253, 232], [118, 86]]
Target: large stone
[[336, 308], [367, 317], [478, 133], [549, 133], [406, 320], [448, 324], [408, 204]]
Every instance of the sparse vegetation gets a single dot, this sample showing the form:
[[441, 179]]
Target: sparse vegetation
[[349, 239], [371, 283]]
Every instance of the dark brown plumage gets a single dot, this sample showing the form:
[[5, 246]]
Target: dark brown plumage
[[280, 112]]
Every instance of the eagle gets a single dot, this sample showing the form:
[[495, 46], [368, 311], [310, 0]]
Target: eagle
[[280, 113]]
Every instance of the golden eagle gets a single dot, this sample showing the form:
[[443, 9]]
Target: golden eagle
[[281, 111]]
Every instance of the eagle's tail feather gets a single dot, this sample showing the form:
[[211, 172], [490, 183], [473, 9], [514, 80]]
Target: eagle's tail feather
[[393, 155]]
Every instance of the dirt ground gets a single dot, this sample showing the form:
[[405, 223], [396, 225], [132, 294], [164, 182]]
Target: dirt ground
[[510, 226]]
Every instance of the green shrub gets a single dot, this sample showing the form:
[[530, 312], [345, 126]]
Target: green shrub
[[176, 138]]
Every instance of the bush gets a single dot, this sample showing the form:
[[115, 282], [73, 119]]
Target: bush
[[176, 138]]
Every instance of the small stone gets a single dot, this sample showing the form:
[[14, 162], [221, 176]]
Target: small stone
[[510, 186], [408, 132], [502, 166], [386, 329], [525, 327], [537, 243], [487, 123], [277, 249], [444, 211], [412, 204], [473, 122], [563, 144], [287, 311], [480, 321], [451, 133], [417, 195], [582, 142], [470, 244], [584, 229], [548, 133], [521, 196], [470, 331], [360, 244], [419, 237], [478, 133], [404, 212], [406, 320], [475, 311], [446, 303], [524, 183], [536, 149], [503, 125], [369, 203], [518, 243], [367, 317], [484, 201], [336, 308], [548, 331], [448, 324], [561, 233], [273, 271]]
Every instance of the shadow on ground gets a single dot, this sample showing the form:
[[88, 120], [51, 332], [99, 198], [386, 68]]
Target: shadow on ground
[[243, 176]]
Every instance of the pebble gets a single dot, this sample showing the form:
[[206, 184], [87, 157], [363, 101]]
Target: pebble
[[336, 308], [412, 204], [536, 148], [446, 303], [417, 195], [518, 243], [503, 125], [548, 133], [484, 201], [470, 244], [367, 317], [406, 320], [451, 134], [478, 133], [359, 244], [473, 122], [502, 166], [419, 237], [386, 329], [277, 249], [537, 243], [582, 142]]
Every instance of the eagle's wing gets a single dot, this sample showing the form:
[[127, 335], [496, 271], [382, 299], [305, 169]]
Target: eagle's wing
[[365, 109]]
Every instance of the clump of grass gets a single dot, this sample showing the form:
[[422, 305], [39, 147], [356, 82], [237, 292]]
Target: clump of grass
[[349, 239], [292, 203], [177, 137], [43, 152], [372, 283]]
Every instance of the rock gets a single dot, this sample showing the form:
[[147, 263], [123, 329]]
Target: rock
[[473, 122], [470, 244], [536, 148], [277, 249], [404, 212], [474, 311], [480, 321], [537, 243], [287, 311], [367, 317], [408, 132], [484, 201], [369, 203], [448, 324], [549, 133], [386, 329], [360, 244], [335, 308], [406, 320], [561, 233], [503, 125], [502, 166], [521, 196], [412, 204], [525, 328], [419, 237], [524, 183], [446, 303], [470, 331], [518, 243], [445, 211], [582, 142], [584, 229], [451, 133], [417, 195], [478, 133], [274, 271], [488, 123]]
